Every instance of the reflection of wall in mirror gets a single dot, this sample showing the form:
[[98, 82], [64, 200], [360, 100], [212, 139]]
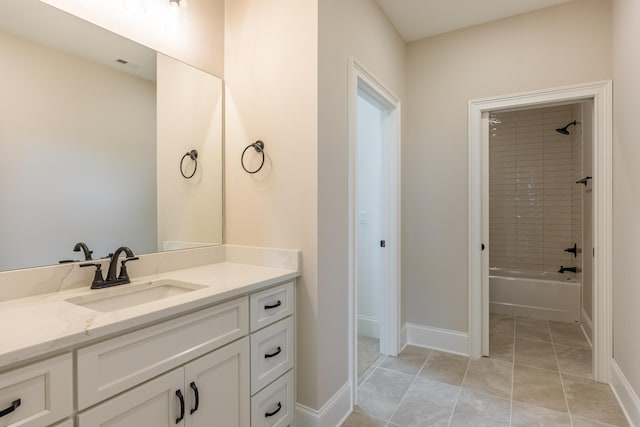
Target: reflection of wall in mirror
[[189, 117], [200, 41], [77, 159]]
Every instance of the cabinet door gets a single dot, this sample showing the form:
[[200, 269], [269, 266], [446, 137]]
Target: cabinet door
[[218, 387], [155, 403]]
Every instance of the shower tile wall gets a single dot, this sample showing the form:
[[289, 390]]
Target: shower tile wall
[[533, 214], [577, 190]]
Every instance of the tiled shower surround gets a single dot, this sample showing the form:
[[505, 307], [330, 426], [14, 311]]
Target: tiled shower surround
[[535, 206]]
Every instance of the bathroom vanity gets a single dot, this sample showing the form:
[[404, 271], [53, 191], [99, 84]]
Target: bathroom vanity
[[182, 347]]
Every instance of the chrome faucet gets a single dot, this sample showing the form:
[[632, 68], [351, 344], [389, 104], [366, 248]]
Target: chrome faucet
[[112, 280]]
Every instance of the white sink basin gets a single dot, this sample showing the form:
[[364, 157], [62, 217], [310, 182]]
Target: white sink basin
[[124, 296]]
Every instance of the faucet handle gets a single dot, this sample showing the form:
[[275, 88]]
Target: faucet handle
[[98, 280], [123, 267]]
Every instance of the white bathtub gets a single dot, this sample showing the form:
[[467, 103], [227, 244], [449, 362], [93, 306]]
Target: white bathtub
[[542, 295]]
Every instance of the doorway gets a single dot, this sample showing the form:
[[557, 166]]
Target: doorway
[[374, 212], [539, 246], [597, 99]]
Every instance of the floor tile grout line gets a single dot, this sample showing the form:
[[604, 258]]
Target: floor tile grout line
[[410, 385], [453, 409], [374, 367], [564, 392]]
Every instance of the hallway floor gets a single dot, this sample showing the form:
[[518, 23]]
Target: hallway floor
[[539, 374]]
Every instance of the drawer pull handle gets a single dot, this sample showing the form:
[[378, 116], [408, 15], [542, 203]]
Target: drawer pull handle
[[274, 354], [10, 409], [272, 306], [197, 396], [181, 398], [271, 414]]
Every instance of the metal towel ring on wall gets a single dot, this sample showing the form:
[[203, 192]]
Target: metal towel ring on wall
[[259, 147], [193, 154]]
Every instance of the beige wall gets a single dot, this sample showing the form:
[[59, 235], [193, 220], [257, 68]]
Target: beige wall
[[200, 42], [626, 197], [562, 45], [189, 118], [355, 28], [271, 95], [281, 90], [76, 137]]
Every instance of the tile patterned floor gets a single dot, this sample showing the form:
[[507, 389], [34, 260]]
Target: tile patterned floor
[[368, 355], [539, 374]]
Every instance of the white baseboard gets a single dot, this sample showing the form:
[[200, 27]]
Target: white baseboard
[[437, 339], [587, 326], [368, 327], [403, 337], [332, 414], [625, 394]]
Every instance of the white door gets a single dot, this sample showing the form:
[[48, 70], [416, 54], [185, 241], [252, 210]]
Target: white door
[[217, 388], [156, 403]]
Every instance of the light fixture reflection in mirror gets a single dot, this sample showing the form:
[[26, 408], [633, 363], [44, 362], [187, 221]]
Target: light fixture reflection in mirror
[[177, 16]]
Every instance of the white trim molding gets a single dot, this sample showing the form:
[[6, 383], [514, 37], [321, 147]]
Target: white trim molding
[[625, 394], [437, 339], [586, 325], [601, 95], [361, 80], [332, 414]]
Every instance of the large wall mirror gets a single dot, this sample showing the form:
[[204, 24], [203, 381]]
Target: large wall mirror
[[93, 128]]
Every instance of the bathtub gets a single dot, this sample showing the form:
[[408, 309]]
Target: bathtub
[[542, 295]]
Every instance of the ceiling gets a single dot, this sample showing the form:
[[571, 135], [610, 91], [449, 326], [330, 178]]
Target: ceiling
[[417, 19], [41, 23]]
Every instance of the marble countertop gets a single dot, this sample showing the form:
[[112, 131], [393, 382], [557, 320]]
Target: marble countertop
[[37, 325]]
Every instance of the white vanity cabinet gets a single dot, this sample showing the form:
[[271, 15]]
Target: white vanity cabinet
[[213, 387], [272, 357], [229, 364], [112, 366]]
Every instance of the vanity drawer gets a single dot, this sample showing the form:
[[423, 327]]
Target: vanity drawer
[[271, 353], [44, 391], [274, 406], [271, 305], [120, 363]]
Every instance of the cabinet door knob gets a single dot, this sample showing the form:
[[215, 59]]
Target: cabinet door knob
[[10, 409], [196, 394], [181, 398], [271, 414]]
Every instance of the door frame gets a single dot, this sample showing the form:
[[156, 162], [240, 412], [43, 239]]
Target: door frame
[[361, 79], [601, 95]]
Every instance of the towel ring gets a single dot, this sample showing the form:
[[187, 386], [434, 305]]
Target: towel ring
[[193, 154], [259, 147]]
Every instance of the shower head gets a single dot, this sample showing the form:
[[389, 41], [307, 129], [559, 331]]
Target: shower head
[[564, 130]]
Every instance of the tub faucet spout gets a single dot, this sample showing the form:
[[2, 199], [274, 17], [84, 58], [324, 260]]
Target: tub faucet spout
[[570, 269]]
